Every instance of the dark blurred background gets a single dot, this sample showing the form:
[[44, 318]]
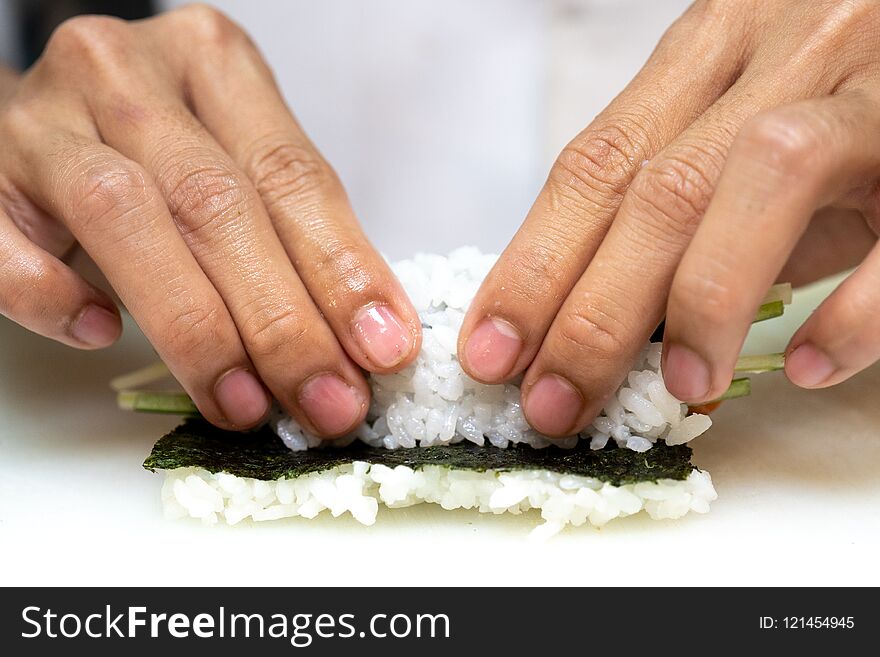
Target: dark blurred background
[[30, 22]]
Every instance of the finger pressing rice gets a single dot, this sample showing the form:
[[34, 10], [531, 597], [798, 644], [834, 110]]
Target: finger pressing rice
[[433, 402]]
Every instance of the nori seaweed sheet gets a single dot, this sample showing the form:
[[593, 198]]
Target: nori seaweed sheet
[[262, 455]]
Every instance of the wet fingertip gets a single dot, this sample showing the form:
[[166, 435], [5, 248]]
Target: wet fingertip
[[492, 350], [553, 405], [386, 341]]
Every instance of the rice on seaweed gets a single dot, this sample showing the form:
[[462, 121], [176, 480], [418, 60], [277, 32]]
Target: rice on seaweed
[[217, 475], [425, 438]]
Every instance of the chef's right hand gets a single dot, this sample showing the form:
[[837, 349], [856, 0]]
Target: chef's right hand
[[164, 148], [684, 198]]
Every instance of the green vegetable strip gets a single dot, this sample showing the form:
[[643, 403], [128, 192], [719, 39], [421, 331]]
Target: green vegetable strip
[[172, 403], [780, 292], [737, 388], [769, 311], [760, 364], [141, 377], [178, 403]]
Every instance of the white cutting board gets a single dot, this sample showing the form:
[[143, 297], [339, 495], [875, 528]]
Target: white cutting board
[[797, 472]]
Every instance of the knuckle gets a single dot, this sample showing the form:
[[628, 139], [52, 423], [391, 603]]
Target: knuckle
[[283, 170], [209, 26], [272, 332], [592, 333], [203, 196], [716, 33], [782, 140], [599, 163], [108, 192], [537, 269], [194, 333], [19, 120], [676, 193], [342, 261], [702, 299], [834, 48], [87, 38], [846, 17]]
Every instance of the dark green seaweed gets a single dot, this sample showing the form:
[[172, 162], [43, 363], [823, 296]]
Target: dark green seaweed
[[262, 455]]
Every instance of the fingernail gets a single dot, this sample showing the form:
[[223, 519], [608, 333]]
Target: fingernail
[[382, 336], [96, 326], [492, 349], [553, 405], [686, 374], [331, 404], [241, 398], [808, 366]]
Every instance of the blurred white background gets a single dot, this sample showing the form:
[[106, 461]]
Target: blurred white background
[[443, 117]]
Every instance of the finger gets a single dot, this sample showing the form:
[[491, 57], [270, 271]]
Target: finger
[[784, 164], [842, 336], [44, 295], [515, 306], [225, 226], [117, 215], [621, 297], [349, 281]]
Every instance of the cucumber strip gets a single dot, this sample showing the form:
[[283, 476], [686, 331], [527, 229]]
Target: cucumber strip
[[760, 364], [769, 310], [178, 403], [780, 292], [169, 403], [140, 377], [737, 388]]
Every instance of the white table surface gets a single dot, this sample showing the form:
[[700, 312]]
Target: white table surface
[[797, 472]]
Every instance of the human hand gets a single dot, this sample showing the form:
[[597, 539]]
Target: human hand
[[686, 197], [164, 148]]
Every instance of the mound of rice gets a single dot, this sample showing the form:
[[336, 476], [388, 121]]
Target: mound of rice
[[358, 489], [433, 402]]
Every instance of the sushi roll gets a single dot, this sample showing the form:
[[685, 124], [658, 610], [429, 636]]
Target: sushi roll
[[218, 476], [433, 435]]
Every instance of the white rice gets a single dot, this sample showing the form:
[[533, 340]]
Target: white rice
[[360, 487], [433, 402]]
